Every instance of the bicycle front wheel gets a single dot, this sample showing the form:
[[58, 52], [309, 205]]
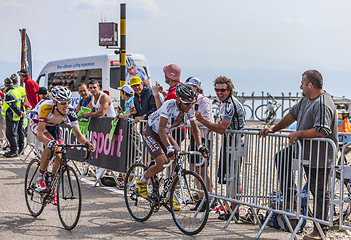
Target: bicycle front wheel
[[138, 207], [34, 199], [189, 192], [265, 115], [69, 198]]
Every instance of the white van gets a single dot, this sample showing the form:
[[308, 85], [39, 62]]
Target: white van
[[72, 72]]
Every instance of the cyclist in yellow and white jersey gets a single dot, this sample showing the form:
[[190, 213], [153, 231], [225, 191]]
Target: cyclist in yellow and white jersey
[[45, 118]]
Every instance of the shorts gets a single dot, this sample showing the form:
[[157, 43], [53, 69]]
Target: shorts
[[153, 142], [53, 130]]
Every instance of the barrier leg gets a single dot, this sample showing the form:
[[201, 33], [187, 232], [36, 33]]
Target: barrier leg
[[293, 235], [232, 216], [84, 171], [75, 165], [320, 230], [99, 173], [27, 156], [264, 224]]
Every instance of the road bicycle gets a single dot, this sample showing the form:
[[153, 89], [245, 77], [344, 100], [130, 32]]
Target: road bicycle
[[186, 188], [268, 112], [64, 182]]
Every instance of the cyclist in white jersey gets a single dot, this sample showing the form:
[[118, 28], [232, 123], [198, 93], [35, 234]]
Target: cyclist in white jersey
[[45, 118], [100, 103], [157, 137]]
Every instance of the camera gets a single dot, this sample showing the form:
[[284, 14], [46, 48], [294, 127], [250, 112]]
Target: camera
[[196, 106]]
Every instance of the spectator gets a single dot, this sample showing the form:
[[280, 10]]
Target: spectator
[[231, 117], [205, 108], [101, 103], [172, 78], [11, 111], [85, 96], [144, 100], [134, 70], [31, 86], [316, 117], [24, 101], [129, 108], [43, 93], [2, 120]]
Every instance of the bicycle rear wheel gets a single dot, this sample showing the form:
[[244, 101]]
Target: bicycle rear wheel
[[188, 191], [345, 209], [69, 198], [34, 199], [138, 207]]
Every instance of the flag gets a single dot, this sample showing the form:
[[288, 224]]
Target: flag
[[27, 54]]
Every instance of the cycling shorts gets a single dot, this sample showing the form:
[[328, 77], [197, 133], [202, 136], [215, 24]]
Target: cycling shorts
[[53, 130], [153, 142]]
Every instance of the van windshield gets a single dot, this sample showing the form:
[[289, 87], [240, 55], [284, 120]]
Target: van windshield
[[72, 79]]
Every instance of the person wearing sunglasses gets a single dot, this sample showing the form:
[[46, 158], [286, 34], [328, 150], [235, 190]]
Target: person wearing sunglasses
[[157, 134], [45, 120], [232, 117]]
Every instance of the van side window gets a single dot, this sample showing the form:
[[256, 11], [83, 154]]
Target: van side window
[[115, 77], [41, 80], [71, 79]]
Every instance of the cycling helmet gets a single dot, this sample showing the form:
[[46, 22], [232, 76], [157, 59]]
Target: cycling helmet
[[185, 92], [8, 82], [14, 77], [129, 63], [60, 93]]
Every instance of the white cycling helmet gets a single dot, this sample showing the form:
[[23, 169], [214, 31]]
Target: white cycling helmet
[[60, 93], [129, 63]]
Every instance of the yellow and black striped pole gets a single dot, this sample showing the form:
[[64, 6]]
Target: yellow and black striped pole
[[122, 56]]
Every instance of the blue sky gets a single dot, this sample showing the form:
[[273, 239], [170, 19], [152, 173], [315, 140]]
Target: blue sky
[[262, 45]]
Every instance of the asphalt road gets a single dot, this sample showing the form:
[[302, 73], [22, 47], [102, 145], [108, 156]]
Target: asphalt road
[[104, 216]]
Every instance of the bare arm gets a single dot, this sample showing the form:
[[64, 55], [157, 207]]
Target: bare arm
[[196, 132], [147, 82], [80, 137], [309, 133], [105, 102], [283, 123], [220, 127]]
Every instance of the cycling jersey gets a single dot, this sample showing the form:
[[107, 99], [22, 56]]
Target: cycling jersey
[[232, 110], [170, 111], [44, 111]]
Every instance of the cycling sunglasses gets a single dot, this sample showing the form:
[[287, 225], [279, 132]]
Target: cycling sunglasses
[[187, 103], [221, 89], [65, 102]]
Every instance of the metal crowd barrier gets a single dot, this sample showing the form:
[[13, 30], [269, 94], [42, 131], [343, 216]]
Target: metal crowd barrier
[[35, 146], [263, 174], [266, 174]]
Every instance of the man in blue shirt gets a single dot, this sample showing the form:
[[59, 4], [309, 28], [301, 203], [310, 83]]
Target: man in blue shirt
[[85, 96], [144, 100]]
